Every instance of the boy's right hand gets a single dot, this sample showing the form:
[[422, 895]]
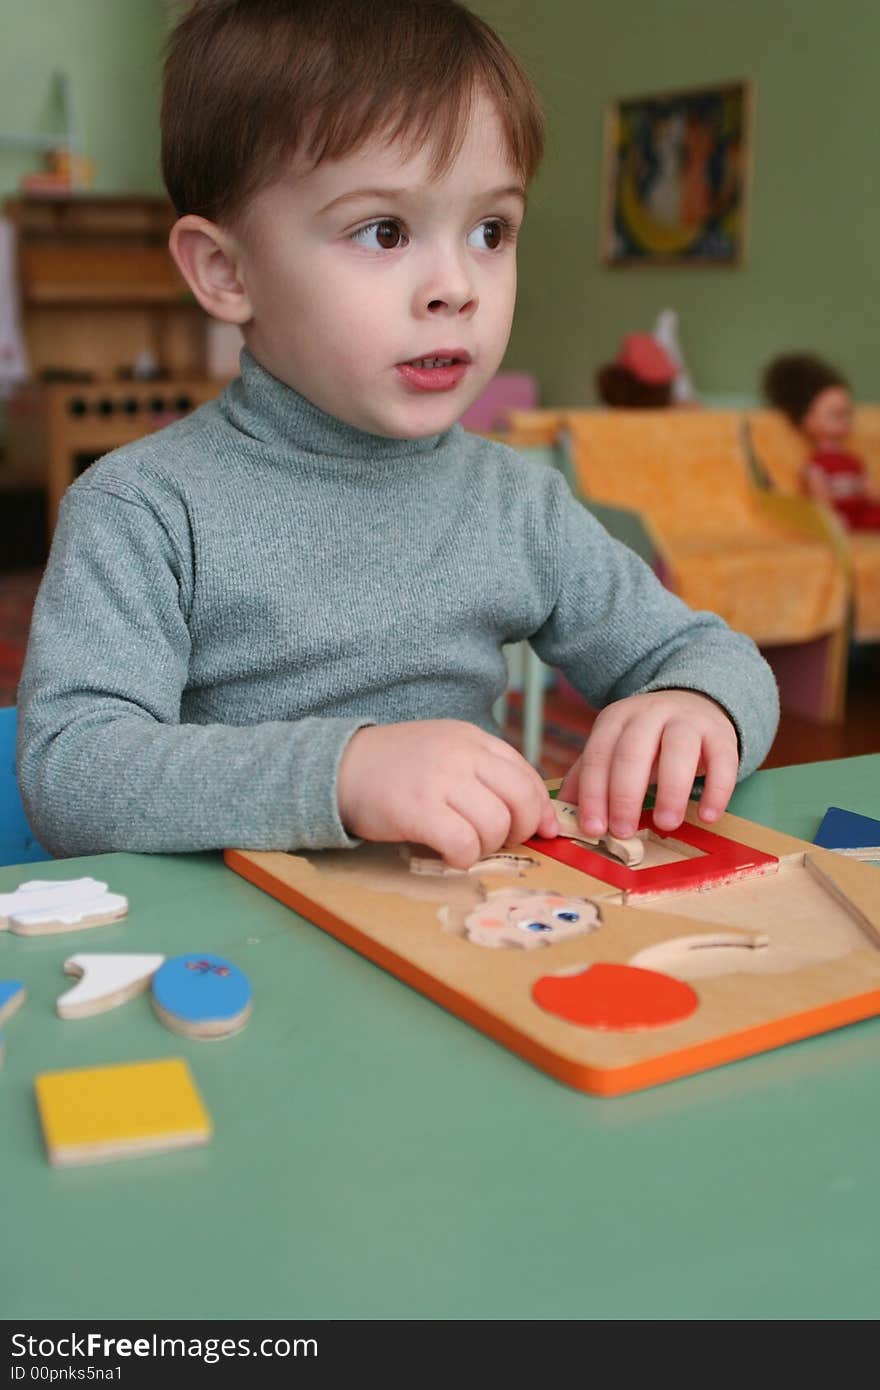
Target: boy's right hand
[[442, 783]]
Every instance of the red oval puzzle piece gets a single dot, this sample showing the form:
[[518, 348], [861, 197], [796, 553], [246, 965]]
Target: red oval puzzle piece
[[611, 996]]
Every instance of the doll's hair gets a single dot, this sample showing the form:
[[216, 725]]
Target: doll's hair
[[793, 381], [622, 389], [641, 376], [247, 84]]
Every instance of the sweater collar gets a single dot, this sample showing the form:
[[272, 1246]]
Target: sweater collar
[[261, 406]]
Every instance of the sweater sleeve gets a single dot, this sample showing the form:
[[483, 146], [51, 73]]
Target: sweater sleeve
[[104, 762], [616, 631]]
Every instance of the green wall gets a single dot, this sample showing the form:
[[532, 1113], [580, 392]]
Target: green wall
[[811, 280], [111, 51]]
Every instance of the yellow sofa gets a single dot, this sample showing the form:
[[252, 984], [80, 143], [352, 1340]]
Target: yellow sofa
[[770, 564], [778, 454]]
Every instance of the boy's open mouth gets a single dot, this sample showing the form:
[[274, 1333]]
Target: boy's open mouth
[[438, 371], [433, 361]]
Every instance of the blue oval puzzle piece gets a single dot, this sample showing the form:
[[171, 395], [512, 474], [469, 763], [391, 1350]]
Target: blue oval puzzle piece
[[11, 997], [12, 994], [202, 990]]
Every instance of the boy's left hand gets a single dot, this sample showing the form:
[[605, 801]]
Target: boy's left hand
[[668, 737]]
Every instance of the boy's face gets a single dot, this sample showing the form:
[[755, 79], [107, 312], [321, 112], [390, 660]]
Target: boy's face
[[363, 272]]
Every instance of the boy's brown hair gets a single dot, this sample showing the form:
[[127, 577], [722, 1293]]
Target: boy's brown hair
[[249, 82]]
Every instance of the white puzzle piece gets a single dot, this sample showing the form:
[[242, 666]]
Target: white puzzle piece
[[106, 981], [40, 906]]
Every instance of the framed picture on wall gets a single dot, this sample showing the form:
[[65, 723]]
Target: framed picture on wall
[[677, 176]]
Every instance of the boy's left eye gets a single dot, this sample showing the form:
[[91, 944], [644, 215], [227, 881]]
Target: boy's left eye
[[488, 236]]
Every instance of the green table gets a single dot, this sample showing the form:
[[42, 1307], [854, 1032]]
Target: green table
[[374, 1157]]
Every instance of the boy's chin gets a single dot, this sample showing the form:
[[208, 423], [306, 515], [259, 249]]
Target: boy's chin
[[419, 424], [421, 430], [421, 419]]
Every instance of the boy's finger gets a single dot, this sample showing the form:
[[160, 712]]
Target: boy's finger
[[570, 787], [596, 761], [452, 836], [722, 767], [511, 755], [680, 749], [548, 825], [487, 812], [545, 802], [523, 794], [630, 774]]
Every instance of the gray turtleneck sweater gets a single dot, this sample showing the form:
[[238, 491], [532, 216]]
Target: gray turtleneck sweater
[[229, 599]]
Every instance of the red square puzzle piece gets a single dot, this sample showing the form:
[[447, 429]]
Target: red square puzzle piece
[[721, 861]]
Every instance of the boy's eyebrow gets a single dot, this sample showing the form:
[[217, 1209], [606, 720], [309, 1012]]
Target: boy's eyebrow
[[513, 190]]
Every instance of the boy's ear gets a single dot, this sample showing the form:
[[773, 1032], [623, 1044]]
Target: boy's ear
[[208, 258]]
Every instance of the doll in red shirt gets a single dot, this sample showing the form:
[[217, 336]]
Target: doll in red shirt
[[818, 402]]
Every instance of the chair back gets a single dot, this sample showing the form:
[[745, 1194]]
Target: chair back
[[685, 470], [538, 426], [18, 844], [778, 450]]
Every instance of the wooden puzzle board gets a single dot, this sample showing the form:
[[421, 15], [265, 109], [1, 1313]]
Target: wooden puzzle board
[[817, 969]]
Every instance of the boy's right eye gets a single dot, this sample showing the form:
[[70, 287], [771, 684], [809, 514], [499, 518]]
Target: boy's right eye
[[386, 235]]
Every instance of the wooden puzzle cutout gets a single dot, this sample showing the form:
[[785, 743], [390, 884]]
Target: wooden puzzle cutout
[[718, 860], [96, 1114], [629, 851], [695, 957], [106, 981], [12, 996], [202, 996], [774, 941], [425, 862], [42, 907]]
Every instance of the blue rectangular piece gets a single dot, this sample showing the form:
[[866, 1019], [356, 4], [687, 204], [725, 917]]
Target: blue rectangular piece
[[842, 829]]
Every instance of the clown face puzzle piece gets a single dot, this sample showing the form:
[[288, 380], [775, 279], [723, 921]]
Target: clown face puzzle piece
[[527, 918]]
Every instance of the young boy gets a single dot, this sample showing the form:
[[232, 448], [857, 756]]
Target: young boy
[[278, 624]]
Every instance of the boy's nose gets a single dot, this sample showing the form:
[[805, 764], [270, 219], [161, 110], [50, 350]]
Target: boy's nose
[[446, 291], [453, 302]]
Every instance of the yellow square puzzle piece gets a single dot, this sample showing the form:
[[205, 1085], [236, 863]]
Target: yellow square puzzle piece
[[95, 1114]]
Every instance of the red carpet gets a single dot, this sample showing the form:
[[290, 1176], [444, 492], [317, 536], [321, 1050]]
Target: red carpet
[[18, 590], [566, 725]]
